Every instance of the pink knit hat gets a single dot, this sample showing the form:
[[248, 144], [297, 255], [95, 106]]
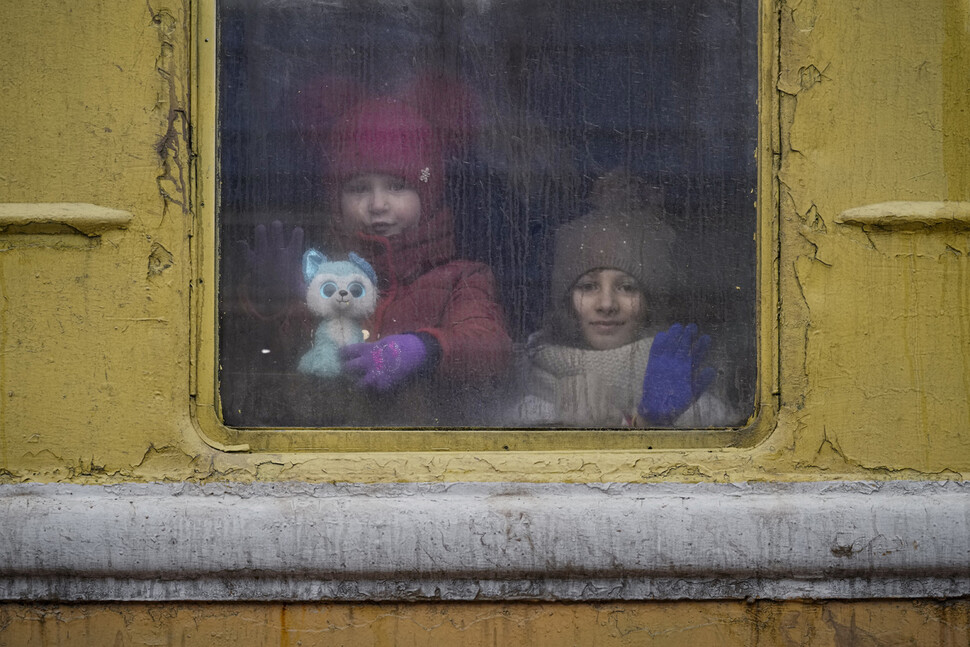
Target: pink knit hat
[[386, 135]]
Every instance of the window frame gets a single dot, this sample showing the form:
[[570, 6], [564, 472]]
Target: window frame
[[204, 369]]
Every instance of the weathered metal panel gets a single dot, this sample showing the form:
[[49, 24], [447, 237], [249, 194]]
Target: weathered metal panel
[[484, 541]]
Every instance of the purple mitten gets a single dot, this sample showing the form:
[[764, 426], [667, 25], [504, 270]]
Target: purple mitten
[[384, 364], [675, 375]]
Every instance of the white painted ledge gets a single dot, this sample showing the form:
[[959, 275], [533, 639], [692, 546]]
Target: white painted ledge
[[484, 541]]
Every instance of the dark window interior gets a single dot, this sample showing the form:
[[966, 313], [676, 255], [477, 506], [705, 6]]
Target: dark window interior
[[565, 91]]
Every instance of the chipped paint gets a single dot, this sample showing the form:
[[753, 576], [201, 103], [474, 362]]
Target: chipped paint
[[170, 65], [879, 623], [844, 396], [159, 260]]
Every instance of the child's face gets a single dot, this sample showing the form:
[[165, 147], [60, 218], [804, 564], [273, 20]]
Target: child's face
[[380, 204], [610, 308]]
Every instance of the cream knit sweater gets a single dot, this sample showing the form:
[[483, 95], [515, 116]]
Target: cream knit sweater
[[597, 388]]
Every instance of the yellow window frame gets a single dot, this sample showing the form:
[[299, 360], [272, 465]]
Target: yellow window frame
[[205, 253]]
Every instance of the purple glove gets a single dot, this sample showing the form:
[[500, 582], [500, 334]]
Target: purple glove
[[675, 375], [274, 268], [386, 363]]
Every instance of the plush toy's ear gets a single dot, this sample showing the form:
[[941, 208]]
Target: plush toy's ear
[[312, 260], [364, 266]]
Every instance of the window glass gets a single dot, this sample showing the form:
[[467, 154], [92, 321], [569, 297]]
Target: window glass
[[487, 213]]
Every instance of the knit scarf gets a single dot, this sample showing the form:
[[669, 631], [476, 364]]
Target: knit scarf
[[613, 378]]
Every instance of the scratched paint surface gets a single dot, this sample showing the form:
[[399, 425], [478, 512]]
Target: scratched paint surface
[[872, 335], [758, 624]]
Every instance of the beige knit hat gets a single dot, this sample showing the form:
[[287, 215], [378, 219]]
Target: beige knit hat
[[624, 231]]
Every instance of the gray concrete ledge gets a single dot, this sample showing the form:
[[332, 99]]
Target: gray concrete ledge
[[482, 541]]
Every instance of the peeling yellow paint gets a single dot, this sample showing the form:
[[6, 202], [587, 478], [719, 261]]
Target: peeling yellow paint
[[726, 624], [956, 98]]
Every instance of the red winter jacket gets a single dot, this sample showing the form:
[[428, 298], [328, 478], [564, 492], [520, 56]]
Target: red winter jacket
[[424, 289]]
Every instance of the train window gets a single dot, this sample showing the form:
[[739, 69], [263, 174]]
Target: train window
[[487, 214]]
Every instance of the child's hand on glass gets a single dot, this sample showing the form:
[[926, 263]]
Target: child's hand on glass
[[675, 375], [273, 266]]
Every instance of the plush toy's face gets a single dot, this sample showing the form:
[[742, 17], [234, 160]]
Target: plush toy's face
[[339, 289]]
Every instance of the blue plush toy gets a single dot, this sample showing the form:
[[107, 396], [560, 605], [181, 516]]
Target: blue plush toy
[[344, 293]]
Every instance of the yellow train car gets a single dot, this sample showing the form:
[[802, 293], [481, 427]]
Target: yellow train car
[[812, 153]]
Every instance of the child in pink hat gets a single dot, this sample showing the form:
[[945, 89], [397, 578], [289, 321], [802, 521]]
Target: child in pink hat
[[437, 340], [437, 315]]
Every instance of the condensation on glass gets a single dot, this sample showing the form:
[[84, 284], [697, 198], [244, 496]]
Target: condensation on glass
[[536, 109]]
